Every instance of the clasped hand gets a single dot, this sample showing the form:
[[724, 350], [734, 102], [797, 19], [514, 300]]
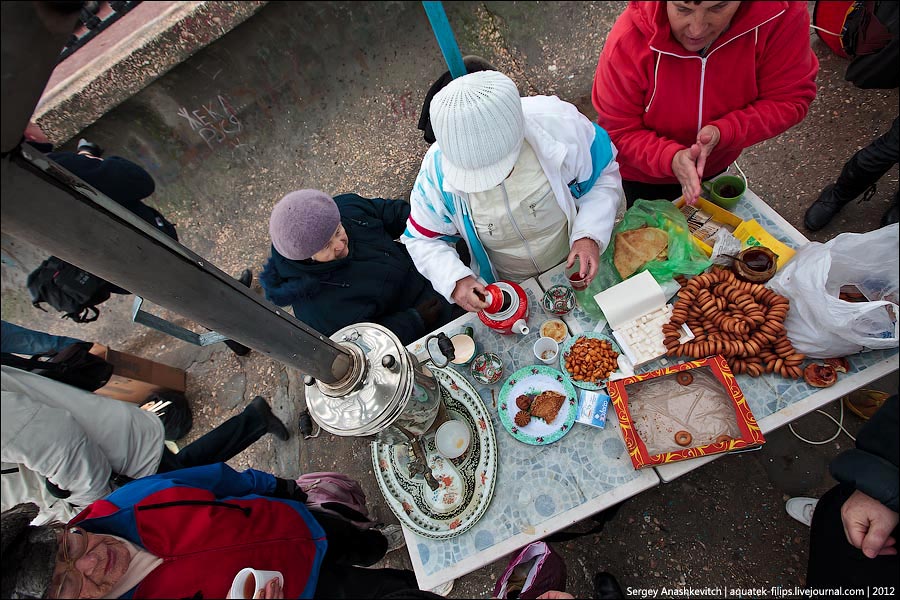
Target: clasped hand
[[690, 163], [868, 525]]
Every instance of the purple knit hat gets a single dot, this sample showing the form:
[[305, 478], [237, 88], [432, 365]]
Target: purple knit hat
[[302, 223]]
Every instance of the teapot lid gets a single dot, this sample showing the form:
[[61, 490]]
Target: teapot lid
[[494, 298], [503, 300]]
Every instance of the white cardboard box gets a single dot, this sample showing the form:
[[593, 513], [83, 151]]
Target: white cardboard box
[[636, 310]]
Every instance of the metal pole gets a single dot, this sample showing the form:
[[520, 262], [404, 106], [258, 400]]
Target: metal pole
[[445, 38], [46, 205]]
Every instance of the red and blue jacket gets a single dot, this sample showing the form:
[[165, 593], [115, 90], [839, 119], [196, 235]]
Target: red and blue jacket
[[207, 523]]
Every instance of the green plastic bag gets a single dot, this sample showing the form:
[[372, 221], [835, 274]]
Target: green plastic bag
[[684, 256]]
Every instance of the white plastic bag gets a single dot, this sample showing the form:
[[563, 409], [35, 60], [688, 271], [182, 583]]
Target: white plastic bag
[[820, 324]]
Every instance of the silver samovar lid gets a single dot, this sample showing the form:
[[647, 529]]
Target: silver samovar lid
[[377, 391]]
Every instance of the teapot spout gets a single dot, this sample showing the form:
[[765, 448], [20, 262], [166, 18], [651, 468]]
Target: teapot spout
[[520, 327]]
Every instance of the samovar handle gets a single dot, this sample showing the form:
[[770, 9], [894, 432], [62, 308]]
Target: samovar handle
[[445, 346]]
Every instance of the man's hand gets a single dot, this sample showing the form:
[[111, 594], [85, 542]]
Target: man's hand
[[868, 525], [587, 252], [272, 589], [684, 165], [707, 139], [470, 294]]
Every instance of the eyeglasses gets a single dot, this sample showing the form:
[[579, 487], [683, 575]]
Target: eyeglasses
[[68, 584]]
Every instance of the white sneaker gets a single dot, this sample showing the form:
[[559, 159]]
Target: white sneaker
[[443, 589], [394, 535], [802, 509]]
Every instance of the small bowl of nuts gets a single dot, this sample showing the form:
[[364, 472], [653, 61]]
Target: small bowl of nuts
[[589, 359]]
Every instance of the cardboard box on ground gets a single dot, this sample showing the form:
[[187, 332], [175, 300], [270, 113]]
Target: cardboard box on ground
[[134, 378]]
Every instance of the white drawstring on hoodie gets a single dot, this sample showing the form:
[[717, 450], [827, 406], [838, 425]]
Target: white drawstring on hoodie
[[702, 60]]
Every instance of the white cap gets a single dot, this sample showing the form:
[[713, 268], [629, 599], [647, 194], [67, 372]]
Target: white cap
[[479, 127]]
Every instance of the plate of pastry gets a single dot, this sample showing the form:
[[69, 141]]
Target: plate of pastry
[[537, 405]]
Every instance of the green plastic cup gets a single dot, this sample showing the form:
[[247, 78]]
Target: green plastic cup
[[725, 191]]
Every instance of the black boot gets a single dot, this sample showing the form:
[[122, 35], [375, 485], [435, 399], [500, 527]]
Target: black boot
[[89, 147], [606, 586], [853, 181], [892, 214], [273, 423]]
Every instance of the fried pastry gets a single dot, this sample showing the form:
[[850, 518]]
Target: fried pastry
[[522, 418], [636, 247], [523, 402], [546, 406]]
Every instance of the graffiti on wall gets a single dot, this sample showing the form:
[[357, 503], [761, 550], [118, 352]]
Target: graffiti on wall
[[216, 122]]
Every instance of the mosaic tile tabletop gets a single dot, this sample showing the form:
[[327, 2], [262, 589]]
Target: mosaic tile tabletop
[[540, 489], [775, 401]]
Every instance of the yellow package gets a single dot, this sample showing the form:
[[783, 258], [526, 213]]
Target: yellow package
[[751, 233]]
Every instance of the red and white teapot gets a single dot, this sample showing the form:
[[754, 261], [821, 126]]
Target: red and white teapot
[[507, 308]]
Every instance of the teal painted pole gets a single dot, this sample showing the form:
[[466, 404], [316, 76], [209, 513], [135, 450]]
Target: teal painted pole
[[445, 38]]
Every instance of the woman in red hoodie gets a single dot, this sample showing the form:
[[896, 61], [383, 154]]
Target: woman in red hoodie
[[683, 87]]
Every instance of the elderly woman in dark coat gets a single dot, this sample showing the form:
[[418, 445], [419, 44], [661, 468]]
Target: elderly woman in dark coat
[[336, 262]]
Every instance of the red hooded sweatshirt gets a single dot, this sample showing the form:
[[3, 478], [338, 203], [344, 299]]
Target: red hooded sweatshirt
[[653, 96]]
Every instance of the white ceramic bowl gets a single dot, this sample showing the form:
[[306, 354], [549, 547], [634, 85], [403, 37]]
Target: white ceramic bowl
[[452, 439]]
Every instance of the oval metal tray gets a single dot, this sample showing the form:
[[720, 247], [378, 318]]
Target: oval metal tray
[[466, 483]]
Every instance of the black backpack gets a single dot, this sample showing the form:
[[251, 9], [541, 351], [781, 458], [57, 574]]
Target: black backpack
[[74, 365], [870, 38], [69, 289]]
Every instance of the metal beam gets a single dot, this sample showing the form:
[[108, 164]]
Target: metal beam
[[50, 207], [445, 38]]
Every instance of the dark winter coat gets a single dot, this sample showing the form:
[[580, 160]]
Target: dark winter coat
[[121, 180], [872, 466], [376, 282]]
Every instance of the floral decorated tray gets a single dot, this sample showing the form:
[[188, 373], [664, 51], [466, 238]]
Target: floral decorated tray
[[466, 483], [531, 381]]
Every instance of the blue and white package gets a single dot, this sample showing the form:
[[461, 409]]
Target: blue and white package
[[592, 408]]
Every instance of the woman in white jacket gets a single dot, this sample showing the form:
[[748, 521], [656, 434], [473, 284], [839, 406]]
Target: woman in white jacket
[[61, 445], [526, 182]]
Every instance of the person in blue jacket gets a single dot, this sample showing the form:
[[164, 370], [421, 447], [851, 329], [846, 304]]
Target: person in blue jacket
[[337, 262], [187, 533]]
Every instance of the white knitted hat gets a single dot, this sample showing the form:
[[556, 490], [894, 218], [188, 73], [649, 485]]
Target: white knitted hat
[[479, 127]]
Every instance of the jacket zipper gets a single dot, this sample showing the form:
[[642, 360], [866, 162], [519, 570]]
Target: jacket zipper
[[702, 86], [516, 227], [244, 509], [703, 60]]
